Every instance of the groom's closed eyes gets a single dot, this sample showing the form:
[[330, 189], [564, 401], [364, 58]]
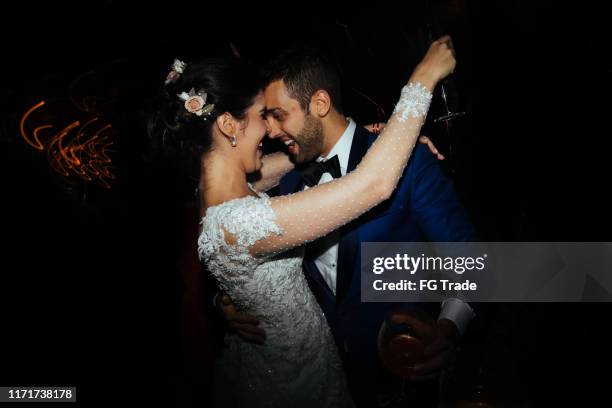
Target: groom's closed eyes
[[277, 114]]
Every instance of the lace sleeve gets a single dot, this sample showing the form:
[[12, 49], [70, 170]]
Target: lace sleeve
[[309, 214], [233, 227]]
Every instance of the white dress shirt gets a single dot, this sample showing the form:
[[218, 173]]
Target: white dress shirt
[[452, 309], [327, 262]]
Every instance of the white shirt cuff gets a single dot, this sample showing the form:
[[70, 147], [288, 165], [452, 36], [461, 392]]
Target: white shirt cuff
[[458, 312]]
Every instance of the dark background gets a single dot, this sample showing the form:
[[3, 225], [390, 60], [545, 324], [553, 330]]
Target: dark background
[[90, 290]]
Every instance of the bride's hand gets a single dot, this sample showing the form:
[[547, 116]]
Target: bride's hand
[[432, 147], [438, 63], [378, 127]]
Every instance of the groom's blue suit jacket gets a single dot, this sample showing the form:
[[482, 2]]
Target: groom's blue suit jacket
[[423, 207]]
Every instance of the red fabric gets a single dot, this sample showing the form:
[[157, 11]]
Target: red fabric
[[195, 325]]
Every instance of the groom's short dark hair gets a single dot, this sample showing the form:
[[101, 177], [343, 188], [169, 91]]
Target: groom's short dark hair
[[305, 70]]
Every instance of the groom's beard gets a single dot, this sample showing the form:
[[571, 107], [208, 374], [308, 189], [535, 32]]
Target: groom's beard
[[310, 140]]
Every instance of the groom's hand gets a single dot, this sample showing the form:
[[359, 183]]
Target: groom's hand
[[245, 325], [439, 353]]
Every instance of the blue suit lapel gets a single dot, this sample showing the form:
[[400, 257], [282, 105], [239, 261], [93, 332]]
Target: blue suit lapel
[[349, 234], [292, 183], [349, 241]]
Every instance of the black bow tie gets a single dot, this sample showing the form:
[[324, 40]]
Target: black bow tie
[[311, 173]]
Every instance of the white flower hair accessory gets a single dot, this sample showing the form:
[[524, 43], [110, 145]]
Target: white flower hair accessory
[[178, 67], [196, 102]]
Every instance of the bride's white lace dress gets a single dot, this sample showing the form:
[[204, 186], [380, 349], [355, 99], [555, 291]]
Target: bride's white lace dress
[[251, 246], [298, 365]]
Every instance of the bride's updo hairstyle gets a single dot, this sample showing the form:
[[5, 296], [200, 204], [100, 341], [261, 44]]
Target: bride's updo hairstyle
[[193, 95]]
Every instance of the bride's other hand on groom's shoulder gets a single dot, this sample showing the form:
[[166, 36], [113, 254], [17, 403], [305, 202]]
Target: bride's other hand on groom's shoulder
[[432, 147], [378, 127]]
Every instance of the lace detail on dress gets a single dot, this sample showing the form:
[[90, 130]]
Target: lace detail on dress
[[248, 219], [298, 365]]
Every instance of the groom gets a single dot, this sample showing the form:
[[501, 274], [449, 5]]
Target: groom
[[305, 112]]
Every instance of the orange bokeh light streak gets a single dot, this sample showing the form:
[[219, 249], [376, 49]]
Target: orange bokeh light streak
[[84, 154], [37, 144]]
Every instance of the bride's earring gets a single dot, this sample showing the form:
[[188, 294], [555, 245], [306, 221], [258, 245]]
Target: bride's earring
[[233, 140]]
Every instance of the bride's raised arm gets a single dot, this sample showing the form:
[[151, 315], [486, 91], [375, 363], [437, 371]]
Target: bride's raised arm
[[309, 214]]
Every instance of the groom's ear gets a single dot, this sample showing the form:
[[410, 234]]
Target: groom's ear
[[320, 103]]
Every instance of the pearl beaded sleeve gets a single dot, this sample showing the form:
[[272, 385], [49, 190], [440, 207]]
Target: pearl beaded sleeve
[[307, 215]]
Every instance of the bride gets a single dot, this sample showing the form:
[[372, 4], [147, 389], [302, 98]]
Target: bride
[[250, 242]]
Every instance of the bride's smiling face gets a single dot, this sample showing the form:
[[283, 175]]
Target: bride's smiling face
[[249, 136]]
